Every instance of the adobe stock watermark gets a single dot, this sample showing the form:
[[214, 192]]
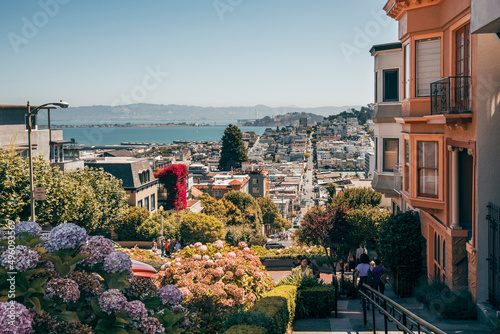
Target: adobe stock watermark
[[224, 6], [363, 37], [31, 26], [9, 263], [153, 78]]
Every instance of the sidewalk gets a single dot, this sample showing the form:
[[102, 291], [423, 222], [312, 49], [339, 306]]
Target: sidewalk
[[350, 317], [350, 320]]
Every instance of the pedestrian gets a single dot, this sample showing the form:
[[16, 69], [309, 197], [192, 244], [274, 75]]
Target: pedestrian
[[304, 269], [168, 246], [297, 262], [359, 251], [153, 246], [312, 265], [162, 247], [177, 246], [362, 271], [379, 276]]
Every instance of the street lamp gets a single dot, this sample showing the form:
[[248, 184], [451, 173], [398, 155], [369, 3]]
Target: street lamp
[[161, 215], [30, 114]]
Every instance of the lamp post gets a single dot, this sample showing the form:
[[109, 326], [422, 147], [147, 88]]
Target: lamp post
[[161, 215], [30, 115]]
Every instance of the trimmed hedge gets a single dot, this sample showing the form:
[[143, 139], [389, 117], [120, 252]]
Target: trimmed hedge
[[275, 312], [246, 329], [315, 302]]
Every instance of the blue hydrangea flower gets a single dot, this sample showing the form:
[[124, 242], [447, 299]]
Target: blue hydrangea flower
[[117, 262], [15, 318], [98, 248], [29, 227], [112, 301], [152, 326], [136, 310], [19, 259], [171, 294], [66, 236], [64, 289]]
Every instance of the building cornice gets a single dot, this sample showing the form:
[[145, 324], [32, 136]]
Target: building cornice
[[395, 8]]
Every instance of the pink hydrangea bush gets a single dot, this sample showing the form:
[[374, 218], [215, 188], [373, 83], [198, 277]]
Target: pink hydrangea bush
[[234, 275]]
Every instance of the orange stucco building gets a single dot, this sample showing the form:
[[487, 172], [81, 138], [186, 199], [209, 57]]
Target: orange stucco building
[[438, 122]]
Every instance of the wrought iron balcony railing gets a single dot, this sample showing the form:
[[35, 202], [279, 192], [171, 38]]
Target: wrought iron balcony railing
[[451, 95]]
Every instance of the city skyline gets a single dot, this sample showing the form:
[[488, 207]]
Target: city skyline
[[210, 53]]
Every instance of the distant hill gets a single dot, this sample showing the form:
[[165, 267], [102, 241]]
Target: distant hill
[[158, 113], [286, 119]]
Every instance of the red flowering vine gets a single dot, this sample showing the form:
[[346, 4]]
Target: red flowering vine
[[173, 178]]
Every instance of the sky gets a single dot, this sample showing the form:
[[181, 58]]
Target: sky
[[191, 52]]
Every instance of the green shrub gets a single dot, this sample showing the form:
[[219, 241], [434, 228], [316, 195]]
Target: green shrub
[[315, 302], [290, 293], [246, 329], [447, 304], [154, 263], [198, 227], [301, 282], [275, 309], [127, 229], [237, 234]]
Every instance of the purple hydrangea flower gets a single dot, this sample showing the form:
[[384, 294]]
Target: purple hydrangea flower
[[170, 294], [15, 318], [112, 301], [117, 262], [98, 248], [20, 259], [64, 289], [29, 227], [67, 235], [136, 310], [2, 234], [152, 326]]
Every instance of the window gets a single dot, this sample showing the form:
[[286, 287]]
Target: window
[[428, 174], [391, 154], [391, 85], [444, 255], [376, 154], [376, 87], [153, 202], [428, 64], [407, 165], [255, 181], [146, 203], [256, 190], [407, 71], [218, 193], [139, 204]]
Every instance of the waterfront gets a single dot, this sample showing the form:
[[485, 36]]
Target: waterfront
[[118, 135]]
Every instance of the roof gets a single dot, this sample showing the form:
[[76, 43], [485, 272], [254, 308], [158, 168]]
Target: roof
[[126, 169], [386, 47], [195, 192]]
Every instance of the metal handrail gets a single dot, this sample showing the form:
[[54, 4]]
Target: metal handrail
[[404, 315]]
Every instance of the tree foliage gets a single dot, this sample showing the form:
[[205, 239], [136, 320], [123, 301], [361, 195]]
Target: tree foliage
[[233, 151], [270, 213], [332, 191], [355, 197], [329, 228], [198, 227], [173, 177], [251, 214], [88, 197], [365, 222], [400, 241], [132, 220]]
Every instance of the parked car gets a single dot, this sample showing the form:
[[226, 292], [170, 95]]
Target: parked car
[[274, 245]]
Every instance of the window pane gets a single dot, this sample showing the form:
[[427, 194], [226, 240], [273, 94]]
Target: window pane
[[391, 85], [407, 151], [428, 64], [427, 154], [391, 148], [407, 71], [376, 87], [428, 181]]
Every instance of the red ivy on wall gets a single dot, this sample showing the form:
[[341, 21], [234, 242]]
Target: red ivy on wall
[[174, 177]]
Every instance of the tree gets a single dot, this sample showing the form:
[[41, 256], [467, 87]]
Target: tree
[[270, 213], [173, 177], [198, 227], [329, 228], [354, 197], [332, 190], [88, 197], [132, 219], [365, 223], [213, 207], [250, 211], [233, 151]]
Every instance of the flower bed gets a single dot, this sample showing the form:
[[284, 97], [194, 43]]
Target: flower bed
[[69, 282], [223, 278]]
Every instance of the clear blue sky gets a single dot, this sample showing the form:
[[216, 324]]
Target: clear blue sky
[[216, 52]]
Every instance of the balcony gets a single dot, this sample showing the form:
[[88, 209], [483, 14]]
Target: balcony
[[451, 102]]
